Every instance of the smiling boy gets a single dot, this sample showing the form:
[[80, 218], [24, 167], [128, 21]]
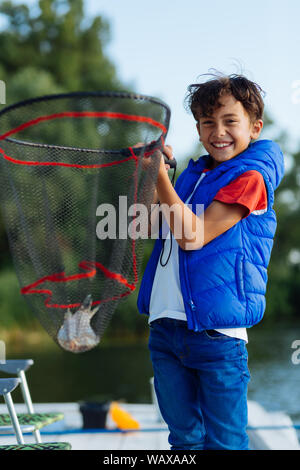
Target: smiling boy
[[204, 287], [228, 131]]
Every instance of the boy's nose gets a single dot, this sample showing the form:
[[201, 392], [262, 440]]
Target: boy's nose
[[219, 130]]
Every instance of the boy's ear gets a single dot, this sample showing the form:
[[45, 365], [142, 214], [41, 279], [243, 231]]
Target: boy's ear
[[198, 129], [256, 129]]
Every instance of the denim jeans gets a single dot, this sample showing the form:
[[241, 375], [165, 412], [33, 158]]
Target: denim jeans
[[200, 381]]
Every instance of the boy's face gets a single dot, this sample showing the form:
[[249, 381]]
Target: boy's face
[[228, 131]]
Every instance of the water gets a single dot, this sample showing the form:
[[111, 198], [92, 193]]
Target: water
[[123, 372], [275, 378]]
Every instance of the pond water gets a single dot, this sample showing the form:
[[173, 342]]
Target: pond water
[[122, 372], [274, 368]]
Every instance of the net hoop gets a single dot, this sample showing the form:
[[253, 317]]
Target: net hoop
[[72, 281], [146, 150]]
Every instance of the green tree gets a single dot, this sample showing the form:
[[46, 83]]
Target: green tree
[[52, 48], [284, 272], [57, 39], [55, 48]]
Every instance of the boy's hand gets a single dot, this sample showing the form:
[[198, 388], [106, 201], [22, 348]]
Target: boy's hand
[[167, 150], [164, 167]]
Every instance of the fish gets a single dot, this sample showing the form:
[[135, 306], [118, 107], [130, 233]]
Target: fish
[[76, 333]]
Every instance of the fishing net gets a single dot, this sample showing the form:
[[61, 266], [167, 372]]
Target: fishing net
[[71, 182]]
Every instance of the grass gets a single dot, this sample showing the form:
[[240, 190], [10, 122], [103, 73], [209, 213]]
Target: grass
[[13, 309]]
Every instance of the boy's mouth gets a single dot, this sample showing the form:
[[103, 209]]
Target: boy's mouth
[[221, 145]]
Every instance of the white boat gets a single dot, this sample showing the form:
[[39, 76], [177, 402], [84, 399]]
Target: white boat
[[270, 430], [267, 430]]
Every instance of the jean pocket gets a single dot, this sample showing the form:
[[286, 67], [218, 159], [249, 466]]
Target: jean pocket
[[152, 325], [155, 323], [214, 334]]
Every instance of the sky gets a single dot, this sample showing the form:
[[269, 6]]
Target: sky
[[159, 47]]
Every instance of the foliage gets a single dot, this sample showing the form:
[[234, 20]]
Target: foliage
[[58, 42], [55, 48], [13, 309], [52, 48]]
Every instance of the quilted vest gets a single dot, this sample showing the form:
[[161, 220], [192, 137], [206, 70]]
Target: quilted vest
[[224, 283]]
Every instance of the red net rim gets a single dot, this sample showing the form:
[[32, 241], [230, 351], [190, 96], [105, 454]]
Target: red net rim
[[147, 150]]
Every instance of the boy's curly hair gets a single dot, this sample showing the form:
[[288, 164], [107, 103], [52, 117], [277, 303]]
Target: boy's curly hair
[[204, 97]]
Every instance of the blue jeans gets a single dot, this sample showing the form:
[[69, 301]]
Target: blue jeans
[[200, 381]]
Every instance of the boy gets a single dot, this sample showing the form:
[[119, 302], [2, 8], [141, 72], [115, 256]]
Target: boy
[[202, 288]]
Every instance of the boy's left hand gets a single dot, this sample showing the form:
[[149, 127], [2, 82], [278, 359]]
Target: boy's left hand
[[168, 152]]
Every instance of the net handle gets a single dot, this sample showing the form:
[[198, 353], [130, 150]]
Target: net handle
[[172, 163]]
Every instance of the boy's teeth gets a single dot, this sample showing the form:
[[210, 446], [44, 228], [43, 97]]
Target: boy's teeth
[[221, 145]]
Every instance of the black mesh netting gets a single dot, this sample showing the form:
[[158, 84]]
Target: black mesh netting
[[69, 178]]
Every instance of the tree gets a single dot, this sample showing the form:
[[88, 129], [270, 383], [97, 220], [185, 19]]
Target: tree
[[58, 40], [52, 48]]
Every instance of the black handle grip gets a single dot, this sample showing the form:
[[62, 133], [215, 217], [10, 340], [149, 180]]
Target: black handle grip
[[172, 162]]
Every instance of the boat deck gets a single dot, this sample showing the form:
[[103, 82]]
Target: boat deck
[[267, 431]]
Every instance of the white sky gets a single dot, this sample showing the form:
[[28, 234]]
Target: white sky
[[161, 46]]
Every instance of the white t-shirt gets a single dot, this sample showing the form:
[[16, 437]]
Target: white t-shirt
[[166, 298]]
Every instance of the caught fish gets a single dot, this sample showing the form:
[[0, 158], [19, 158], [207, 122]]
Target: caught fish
[[76, 334]]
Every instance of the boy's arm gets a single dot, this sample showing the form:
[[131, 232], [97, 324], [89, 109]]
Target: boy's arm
[[220, 217], [190, 231]]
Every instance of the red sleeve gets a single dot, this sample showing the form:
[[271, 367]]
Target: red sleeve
[[248, 189]]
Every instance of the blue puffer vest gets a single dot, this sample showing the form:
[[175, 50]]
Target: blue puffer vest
[[223, 284]]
